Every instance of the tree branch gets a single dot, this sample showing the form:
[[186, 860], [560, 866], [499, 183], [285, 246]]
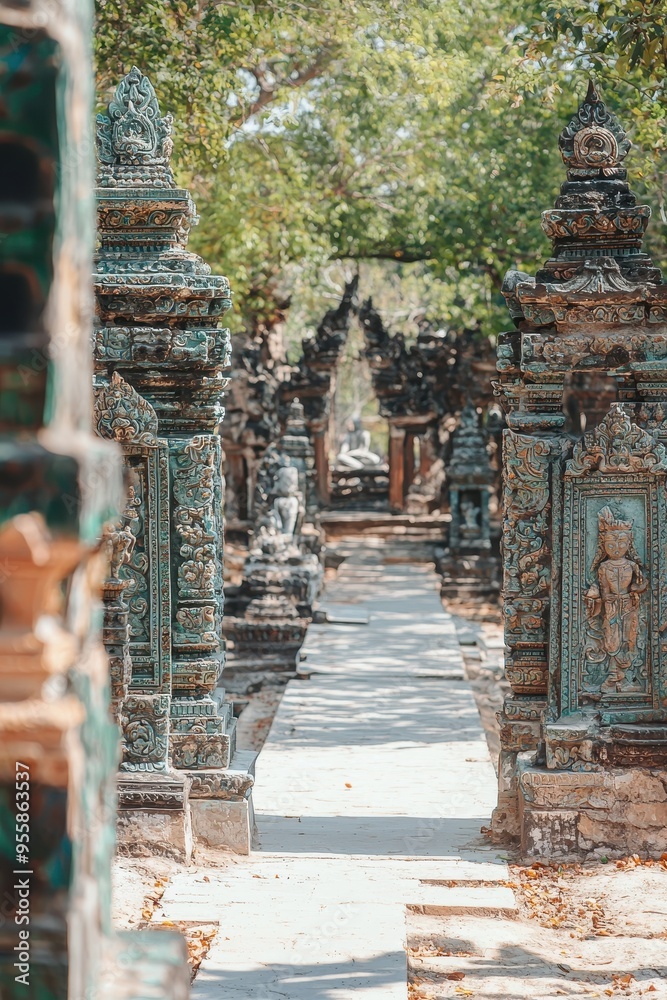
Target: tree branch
[[269, 92], [400, 255]]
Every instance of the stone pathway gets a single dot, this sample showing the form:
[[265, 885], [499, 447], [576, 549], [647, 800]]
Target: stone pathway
[[370, 794]]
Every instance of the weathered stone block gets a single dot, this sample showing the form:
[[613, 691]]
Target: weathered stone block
[[549, 833], [166, 832], [570, 814], [223, 823]]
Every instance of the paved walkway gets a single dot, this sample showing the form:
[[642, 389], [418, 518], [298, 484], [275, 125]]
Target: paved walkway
[[370, 794]]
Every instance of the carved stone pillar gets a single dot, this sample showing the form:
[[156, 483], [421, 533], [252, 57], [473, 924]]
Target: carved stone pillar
[[321, 458], [396, 466], [526, 506], [584, 536], [409, 461], [160, 359], [426, 453], [59, 485]]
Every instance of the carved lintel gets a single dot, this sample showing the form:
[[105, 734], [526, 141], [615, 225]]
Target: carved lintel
[[200, 750], [230, 785], [154, 793]]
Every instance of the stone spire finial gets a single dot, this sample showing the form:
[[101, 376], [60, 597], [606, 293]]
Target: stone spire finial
[[593, 143], [133, 140], [596, 214]]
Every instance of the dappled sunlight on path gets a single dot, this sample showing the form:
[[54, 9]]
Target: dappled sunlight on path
[[371, 791]]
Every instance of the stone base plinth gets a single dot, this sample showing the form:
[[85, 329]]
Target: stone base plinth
[[221, 805], [269, 645], [143, 832], [224, 823], [154, 815], [572, 814], [468, 575], [171, 815]]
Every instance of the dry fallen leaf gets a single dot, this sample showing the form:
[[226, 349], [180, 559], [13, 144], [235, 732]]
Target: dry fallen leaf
[[456, 975]]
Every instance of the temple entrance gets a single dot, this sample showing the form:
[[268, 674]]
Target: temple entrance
[[359, 458]]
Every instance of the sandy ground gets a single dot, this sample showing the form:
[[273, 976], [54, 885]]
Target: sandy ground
[[593, 930]]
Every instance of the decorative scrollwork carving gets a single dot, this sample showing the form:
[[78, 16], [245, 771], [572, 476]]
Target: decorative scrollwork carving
[[122, 414], [594, 137], [145, 732], [617, 445]]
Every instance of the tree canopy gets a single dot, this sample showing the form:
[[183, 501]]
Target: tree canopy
[[415, 139]]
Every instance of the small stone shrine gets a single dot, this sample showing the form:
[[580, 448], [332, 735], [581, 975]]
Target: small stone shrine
[[160, 359], [584, 731], [59, 485], [467, 565], [283, 574]]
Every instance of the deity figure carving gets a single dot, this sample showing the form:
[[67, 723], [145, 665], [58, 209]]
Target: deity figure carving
[[615, 632], [120, 545], [355, 451], [267, 537], [287, 500], [470, 513]]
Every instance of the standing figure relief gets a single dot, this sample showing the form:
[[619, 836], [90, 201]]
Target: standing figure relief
[[615, 643]]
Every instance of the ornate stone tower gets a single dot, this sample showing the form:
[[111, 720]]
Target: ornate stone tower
[[467, 566], [584, 734], [160, 359]]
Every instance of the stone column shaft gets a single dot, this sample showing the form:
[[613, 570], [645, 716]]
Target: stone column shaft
[[396, 467]]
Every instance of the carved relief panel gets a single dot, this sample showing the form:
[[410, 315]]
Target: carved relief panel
[[527, 463], [614, 522], [123, 415], [148, 568]]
